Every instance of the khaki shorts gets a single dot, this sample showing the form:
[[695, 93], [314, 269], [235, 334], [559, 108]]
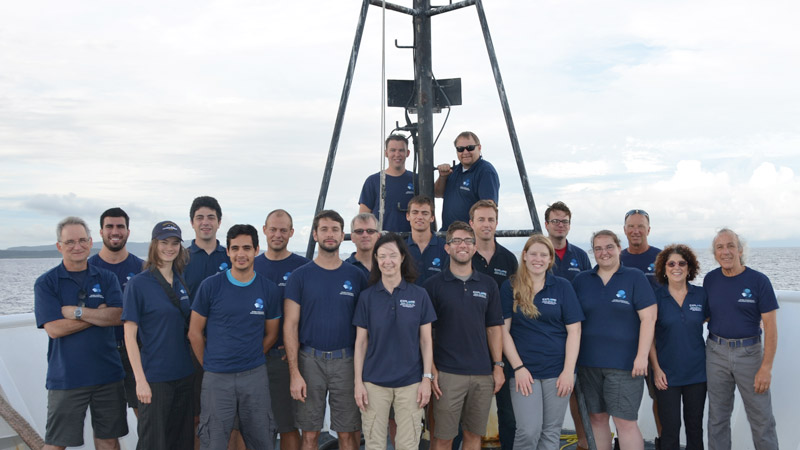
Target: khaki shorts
[[465, 399], [333, 378]]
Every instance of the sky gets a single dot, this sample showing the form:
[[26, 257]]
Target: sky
[[687, 109]]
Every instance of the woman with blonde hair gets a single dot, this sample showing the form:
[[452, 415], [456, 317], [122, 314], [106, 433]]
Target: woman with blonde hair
[[541, 339]]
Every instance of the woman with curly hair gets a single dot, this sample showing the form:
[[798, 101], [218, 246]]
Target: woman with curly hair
[[678, 355], [541, 339]]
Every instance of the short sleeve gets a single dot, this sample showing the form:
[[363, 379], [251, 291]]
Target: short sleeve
[[130, 305], [274, 308], [494, 312], [367, 196], [428, 314], [489, 185], [507, 299], [572, 311], [767, 301], [47, 306], [361, 313], [294, 287], [643, 292], [202, 301], [113, 293]]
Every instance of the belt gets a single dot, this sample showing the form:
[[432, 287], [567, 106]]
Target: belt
[[744, 342], [334, 354]]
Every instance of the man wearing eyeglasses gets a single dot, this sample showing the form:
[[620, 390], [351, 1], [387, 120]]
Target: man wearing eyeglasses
[[78, 306], [399, 187], [639, 253], [471, 180], [467, 351], [364, 234], [570, 259]]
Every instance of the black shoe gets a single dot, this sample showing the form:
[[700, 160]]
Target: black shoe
[[657, 443], [616, 443]]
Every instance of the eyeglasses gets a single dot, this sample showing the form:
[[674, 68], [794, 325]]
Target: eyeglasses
[[637, 211], [82, 298], [556, 221], [72, 243], [677, 263], [468, 148], [458, 241], [607, 248], [369, 231]]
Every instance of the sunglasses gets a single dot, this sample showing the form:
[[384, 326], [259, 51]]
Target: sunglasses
[[637, 211], [468, 148], [676, 263], [369, 231]]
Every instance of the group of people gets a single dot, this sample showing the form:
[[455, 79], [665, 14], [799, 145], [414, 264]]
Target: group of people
[[225, 346]]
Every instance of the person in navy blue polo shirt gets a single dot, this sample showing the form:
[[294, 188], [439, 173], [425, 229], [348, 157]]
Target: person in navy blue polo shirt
[[472, 179], [114, 256], [277, 263], [78, 305], [740, 302], [320, 298], [235, 318], [468, 344], [678, 354], [426, 248], [394, 348], [541, 340], [499, 263], [620, 310], [399, 187], [206, 255], [639, 254], [156, 314], [570, 260], [364, 233]]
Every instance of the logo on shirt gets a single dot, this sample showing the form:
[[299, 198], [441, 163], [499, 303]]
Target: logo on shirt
[[573, 263], [621, 297], [549, 301], [695, 308], [465, 185], [410, 188], [651, 267], [500, 272], [286, 276], [130, 275], [479, 294], [96, 288], [223, 267], [436, 262], [407, 303], [259, 306], [96, 292], [348, 289], [747, 296], [183, 291]]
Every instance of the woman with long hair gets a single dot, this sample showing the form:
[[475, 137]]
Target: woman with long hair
[[620, 310], [394, 350], [541, 340], [155, 313], [678, 354]]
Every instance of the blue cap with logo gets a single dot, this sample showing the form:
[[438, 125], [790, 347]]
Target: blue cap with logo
[[166, 229]]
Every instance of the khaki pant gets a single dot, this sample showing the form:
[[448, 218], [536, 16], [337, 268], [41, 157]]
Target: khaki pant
[[407, 414]]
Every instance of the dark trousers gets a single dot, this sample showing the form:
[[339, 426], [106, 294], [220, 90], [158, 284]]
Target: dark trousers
[[506, 423], [669, 411], [166, 423]]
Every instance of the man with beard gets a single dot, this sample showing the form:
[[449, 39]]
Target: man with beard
[[467, 348], [277, 264], [114, 256], [320, 338]]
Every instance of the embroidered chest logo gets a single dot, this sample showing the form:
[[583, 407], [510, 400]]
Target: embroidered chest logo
[[407, 303], [223, 267], [549, 301], [259, 307], [436, 265], [465, 185], [500, 272], [651, 268], [348, 289], [479, 294], [621, 297], [284, 279], [695, 308], [96, 292], [747, 296], [573, 263], [410, 188]]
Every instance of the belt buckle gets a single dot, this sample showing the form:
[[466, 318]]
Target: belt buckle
[[327, 355]]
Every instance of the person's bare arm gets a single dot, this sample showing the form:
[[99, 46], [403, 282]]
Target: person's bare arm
[[143, 392], [566, 380], [291, 341], [362, 208], [524, 379], [362, 339], [102, 316], [494, 336], [647, 317], [197, 324], [438, 187], [271, 330], [764, 375], [64, 327], [426, 349]]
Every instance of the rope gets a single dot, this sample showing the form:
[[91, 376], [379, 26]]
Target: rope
[[383, 117], [21, 426]]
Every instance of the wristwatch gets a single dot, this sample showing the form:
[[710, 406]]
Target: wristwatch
[[428, 376], [499, 363], [78, 313]]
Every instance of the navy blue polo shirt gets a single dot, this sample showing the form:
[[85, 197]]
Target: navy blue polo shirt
[[236, 314], [465, 187], [679, 340], [541, 342], [430, 262], [88, 357], [503, 264], [399, 190], [161, 327], [392, 320], [736, 303], [202, 265], [610, 333], [464, 309], [124, 272], [646, 262], [352, 260], [575, 261], [327, 300], [278, 272]]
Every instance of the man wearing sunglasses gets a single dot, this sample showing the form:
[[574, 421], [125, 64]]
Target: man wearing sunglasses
[[78, 306], [471, 180], [399, 187], [364, 234]]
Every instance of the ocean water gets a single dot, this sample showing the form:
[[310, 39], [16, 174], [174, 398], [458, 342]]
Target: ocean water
[[18, 275]]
